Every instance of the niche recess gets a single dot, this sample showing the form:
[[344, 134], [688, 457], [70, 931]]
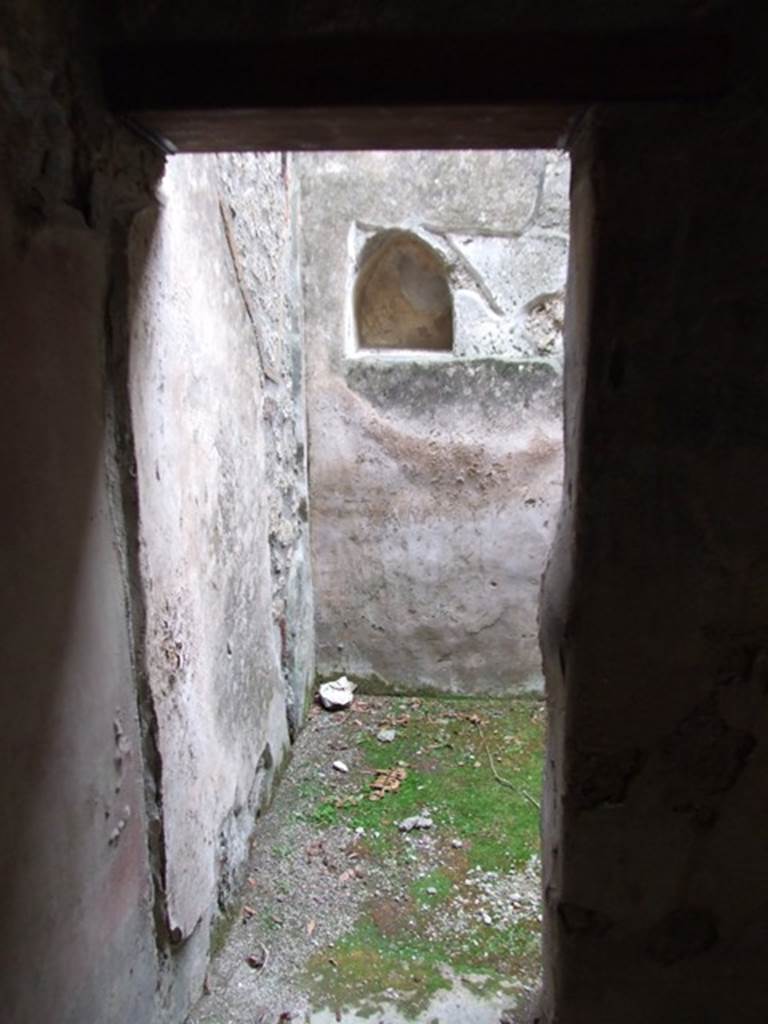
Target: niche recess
[[402, 297]]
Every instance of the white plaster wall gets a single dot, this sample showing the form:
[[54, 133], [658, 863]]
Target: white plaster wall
[[435, 479], [199, 398]]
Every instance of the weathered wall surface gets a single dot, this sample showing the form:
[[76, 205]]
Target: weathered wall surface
[[656, 601], [219, 484], [260, 205], [77, 941], [435, 479], [154, 578]]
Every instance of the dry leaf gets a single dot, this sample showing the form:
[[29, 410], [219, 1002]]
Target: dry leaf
[[388, 781], [475, 719]]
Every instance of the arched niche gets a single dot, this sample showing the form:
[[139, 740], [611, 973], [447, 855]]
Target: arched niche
[[402, 297]]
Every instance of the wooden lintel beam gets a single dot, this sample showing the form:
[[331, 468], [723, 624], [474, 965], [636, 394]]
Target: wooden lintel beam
[[346, 128], [355, 92]]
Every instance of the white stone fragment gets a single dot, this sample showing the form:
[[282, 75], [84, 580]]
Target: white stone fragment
[[416, 822], [337, 694], [386, 736], [340, 766]]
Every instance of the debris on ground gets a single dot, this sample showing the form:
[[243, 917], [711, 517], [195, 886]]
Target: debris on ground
[[386, 735], [337, 694], [387, 782], [418, 821], [341, 766], [258, 961], [365, 923]]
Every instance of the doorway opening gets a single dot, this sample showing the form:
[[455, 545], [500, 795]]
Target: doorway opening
[[346, 372]]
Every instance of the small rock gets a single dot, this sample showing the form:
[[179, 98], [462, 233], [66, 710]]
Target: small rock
[[340, 766], [417, 821], [386, 736], [485, 917], [337, 694], [431, 890], [457, 844]]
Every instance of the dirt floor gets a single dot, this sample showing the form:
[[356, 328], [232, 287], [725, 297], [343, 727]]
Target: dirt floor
[[345, 917]]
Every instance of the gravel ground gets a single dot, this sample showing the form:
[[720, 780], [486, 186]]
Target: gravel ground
[[312, 882]]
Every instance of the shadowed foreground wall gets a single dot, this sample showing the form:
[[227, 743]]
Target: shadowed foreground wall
[[435, 477], [76, 932], [656, 600], [155, 597], [70, 751]]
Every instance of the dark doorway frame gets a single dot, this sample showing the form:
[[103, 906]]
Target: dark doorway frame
[[347, 93], [401, 92]]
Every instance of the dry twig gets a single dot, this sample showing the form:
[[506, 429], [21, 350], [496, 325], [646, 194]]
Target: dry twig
[[258, 963], [502, 781]]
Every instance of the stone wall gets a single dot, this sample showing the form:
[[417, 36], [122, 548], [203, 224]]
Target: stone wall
[[154, 598], [262, 198], [655, 603], [435, 477], [77, 934], [215, 404]]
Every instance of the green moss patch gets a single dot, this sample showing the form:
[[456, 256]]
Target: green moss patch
[[445, 902], [446, 749]]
